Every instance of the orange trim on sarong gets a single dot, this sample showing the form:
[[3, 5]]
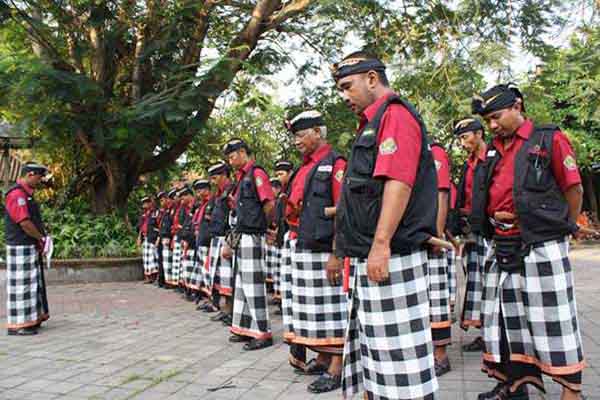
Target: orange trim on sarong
[[470, 323], [317, 342], [549, 369], [573, 386], [29, 324], [225, 291], [440, 325]]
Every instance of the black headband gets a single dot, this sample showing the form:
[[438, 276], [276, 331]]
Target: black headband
[[218, 169], [358, 65], [497, 98], [284, 166], [172, 193], [467, 125], [185, 191], [234, 145], [304, 123], [201, 184], [160, 195], [35, 168], [146, 199]]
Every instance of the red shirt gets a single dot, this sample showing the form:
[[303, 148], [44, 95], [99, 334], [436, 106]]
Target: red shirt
[[442, 167], [471, 165], [563, 167], [452, 195], [398, 140], [145, 220], [16, 203], [199, 214], [297, 188], [261, 180]]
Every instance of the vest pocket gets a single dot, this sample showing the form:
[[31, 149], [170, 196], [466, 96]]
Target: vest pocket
[[322, 184], [538, 177], [364, 155], [365, 206]]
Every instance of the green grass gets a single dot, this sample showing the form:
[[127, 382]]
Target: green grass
[[154, 382]]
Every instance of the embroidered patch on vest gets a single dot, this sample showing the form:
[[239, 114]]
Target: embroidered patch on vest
[[569, 163], [387, 147], [438, 165]]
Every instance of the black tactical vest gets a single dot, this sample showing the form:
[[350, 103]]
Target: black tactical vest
[[15, 235], [360, 203], [540, 205], [316, 230], [152, 233], [219, 219], [250, 215], [204, 235], [280, 221], [166, 224]]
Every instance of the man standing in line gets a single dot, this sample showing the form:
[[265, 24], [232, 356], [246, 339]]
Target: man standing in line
[[162, 199], [529, 204], [471, 134], [439, 288], [26, 239], [385, 217], [147, 238], [319, 305], [252, 201], [166, 237], [218, 228]]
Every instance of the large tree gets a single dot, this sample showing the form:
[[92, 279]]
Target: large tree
[[128, 84]]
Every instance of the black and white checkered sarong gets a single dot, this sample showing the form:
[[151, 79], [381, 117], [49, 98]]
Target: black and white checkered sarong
[[167, 260], [389, 351], [474, 256], [149, 257], [220, 267], [439, 297], [319, 310], [195, 274], [538, 308], [453, 260], [285, 268], [271, 258], [187, 267], [26, 298], [276, 260], [250, 312], [177, 262]]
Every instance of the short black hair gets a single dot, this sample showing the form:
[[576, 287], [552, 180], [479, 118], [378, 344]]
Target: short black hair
[[366, 54]]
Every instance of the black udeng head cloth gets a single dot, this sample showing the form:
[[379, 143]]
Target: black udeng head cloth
[[497, 98], [219, 168], [356, 65], [200, 184], [35, 168], [467, 124], [235, 145], [284, 165], [305, 120]]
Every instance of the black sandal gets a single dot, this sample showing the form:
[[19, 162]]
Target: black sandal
[[325, 383], [313, 368], [442, 367], [257, 344], [475, 345]]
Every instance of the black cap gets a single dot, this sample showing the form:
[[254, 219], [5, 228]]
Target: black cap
[[36, 168], [220, 168], [161, 194], [235, 145], [497, 98], [305, 120], [172, 193], [284, 165], [186, 190], [356, 65], [467, 124], [201, 184]]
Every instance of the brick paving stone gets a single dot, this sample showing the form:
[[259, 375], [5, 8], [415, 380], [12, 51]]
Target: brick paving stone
[[128, 340]]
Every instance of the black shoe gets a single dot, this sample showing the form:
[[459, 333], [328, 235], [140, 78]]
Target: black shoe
[[218, 317], [312, 368], [211, 308], [502, 392], [227, 321], [476, 345], [239, 338], [23, 331], [257, 344], [442, 367], [325, 383]]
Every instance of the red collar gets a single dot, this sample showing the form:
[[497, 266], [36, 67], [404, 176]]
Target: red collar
[[318, 154], [242, 171], [369, 112], [481, 155], [28, 189]]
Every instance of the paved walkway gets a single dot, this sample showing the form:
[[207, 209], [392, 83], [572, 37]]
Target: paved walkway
[[134, 341]]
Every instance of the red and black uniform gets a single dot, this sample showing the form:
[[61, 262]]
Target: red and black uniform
[[529, 313]]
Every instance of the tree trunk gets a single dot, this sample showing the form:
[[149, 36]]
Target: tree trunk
[[112, 185], [590, 197]]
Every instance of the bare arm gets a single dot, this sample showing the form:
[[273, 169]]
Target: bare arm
[[442, 214], [395, 200], [30, 229], [574, 196]]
